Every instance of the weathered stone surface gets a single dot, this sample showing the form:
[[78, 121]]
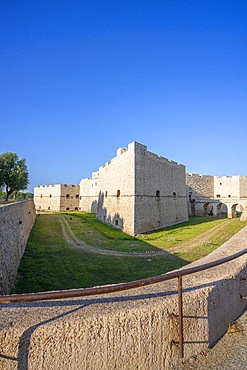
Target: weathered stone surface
[[16, 222], [135, 329], [59, 197], [137, 191]]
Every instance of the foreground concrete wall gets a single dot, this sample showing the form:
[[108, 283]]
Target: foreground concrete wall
[[136, 329], [16, 222]]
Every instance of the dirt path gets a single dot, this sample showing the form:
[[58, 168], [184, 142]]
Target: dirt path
[[198, 239], [71, 239]]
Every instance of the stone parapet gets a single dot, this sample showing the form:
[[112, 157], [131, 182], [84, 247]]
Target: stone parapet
[[135, 329]]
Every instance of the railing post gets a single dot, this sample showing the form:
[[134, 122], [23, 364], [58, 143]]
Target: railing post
[[180, 316]]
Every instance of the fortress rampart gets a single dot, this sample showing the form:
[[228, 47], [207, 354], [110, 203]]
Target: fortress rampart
[[200, 186], [134, 329], [139, 191], [58, 197], [16, 222]]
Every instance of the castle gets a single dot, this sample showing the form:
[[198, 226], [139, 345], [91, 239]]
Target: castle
[[139, 191]]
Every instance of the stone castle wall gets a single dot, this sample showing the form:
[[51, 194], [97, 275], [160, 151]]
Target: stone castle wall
[[117, 193], [216, 195], [243, 187], [89, 194], [227, 186], [200, 186], [137, 191], [111, 194], [56, 197], [160, 193], [16, 222], [47, 197], [70, 197]]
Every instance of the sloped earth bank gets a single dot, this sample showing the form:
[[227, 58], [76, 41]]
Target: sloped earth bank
[[71, 239]]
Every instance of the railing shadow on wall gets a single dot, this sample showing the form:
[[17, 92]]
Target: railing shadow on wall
[[25, 339]]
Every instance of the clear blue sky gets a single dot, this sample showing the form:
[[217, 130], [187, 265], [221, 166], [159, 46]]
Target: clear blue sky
[[81, 78]]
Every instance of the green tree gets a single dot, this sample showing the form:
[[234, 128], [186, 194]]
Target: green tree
[[13, 173]]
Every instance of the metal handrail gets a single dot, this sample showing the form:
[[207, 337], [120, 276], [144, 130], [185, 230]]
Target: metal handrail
[[72, 293]]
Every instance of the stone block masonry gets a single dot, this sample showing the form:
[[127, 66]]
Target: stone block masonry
[[137, 191], [16, 222], [58, 197]]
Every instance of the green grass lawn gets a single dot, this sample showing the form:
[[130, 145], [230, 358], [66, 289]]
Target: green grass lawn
[[50, 263]]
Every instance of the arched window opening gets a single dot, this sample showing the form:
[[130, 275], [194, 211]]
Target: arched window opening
[[118, 193], [106, 194], [174, 195], [50, 195], [157, 193], [116, 222]]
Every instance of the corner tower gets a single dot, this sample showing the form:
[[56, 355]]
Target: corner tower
[[160, 191]]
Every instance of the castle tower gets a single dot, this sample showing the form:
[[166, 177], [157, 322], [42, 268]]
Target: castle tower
[[137, 191]]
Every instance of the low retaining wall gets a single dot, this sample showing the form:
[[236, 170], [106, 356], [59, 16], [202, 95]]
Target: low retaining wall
[[16, 222], [135, 329]]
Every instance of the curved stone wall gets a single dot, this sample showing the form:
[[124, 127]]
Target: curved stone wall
[[135, 329], [16, 222]]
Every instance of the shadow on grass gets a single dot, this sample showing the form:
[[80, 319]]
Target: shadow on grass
[[50, 263]]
